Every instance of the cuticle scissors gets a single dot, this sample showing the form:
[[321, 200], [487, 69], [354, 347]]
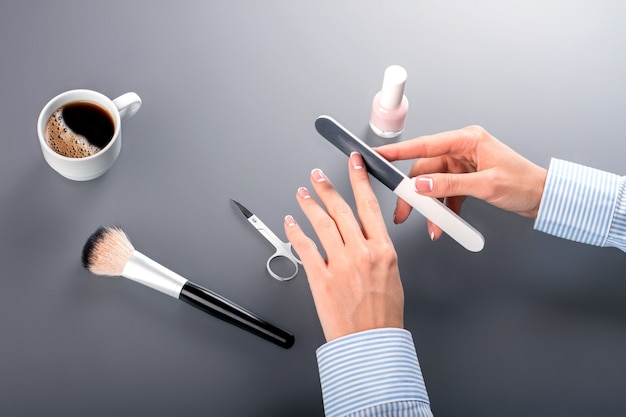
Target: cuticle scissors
[[283, 249]]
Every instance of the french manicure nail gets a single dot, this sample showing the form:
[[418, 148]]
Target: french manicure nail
[[431, 232], [289, 221], [304, 193], [357, 161], [318, 175], [423, 184]]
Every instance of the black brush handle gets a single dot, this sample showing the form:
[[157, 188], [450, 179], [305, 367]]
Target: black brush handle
[[224, 309]]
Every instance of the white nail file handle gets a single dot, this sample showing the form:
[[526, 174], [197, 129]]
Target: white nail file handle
[[402, 186], [438, 213]]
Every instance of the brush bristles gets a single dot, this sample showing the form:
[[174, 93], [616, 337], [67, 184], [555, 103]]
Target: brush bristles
[[107, 251]]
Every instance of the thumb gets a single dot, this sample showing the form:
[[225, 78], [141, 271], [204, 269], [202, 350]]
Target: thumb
[[450, 185]]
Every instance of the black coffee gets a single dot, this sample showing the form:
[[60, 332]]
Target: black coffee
[[79, 129]]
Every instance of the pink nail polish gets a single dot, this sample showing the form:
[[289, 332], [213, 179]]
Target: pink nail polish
[[303, 192], [390, 106], [318, 175], [423, 185], [357, 161]]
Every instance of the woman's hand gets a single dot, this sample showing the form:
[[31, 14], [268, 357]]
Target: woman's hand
[[357, 286], [468, 162]]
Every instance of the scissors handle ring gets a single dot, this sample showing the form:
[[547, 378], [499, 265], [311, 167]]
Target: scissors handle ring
[[291, 259]]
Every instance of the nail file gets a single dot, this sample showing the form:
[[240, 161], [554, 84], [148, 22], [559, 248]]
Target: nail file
[[433, 209]]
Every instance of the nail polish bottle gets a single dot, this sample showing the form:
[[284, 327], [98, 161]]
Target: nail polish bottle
[[390, 106]]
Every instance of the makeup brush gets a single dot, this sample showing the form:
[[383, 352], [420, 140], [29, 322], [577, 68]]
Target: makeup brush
[[109, 252]]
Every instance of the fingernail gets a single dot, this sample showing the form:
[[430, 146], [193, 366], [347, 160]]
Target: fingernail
[[304, 193], [357, 160], [431, 232], [423, 184], [289, 221], [318, 175]]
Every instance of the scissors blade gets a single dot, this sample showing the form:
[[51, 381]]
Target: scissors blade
[[260, 227], [247, 213], [258, 224]]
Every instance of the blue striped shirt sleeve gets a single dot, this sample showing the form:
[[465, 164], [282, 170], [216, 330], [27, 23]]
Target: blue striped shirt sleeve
[[372, 373], [584, 205]]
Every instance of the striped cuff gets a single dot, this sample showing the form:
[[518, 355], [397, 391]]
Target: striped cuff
[[617, 231], [581, 204], [372, 372]]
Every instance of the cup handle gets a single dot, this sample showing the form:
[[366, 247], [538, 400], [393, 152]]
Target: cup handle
[[127, 104]]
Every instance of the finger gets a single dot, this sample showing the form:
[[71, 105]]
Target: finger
[[451, 142], [402, 211], [453, 185], [454, 204], [336, 207], [372, 223], [304, 246], [422, 166], [434, 232], [323, 225], [429, 166]]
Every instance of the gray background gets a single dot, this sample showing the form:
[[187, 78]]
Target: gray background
[[533, 325]]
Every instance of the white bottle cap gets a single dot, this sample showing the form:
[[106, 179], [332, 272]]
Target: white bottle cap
[[393, 87]]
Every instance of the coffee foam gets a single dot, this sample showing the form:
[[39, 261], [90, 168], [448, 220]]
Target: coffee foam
[[64, 141]]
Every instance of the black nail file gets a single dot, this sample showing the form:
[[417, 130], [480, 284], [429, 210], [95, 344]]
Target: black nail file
[[401, 185]]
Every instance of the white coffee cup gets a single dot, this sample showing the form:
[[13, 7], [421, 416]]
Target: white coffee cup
[[88, 167]]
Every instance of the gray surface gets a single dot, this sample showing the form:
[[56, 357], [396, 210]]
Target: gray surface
[[533, 325]]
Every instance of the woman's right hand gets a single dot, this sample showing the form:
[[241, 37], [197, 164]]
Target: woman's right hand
[[468, 162]]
